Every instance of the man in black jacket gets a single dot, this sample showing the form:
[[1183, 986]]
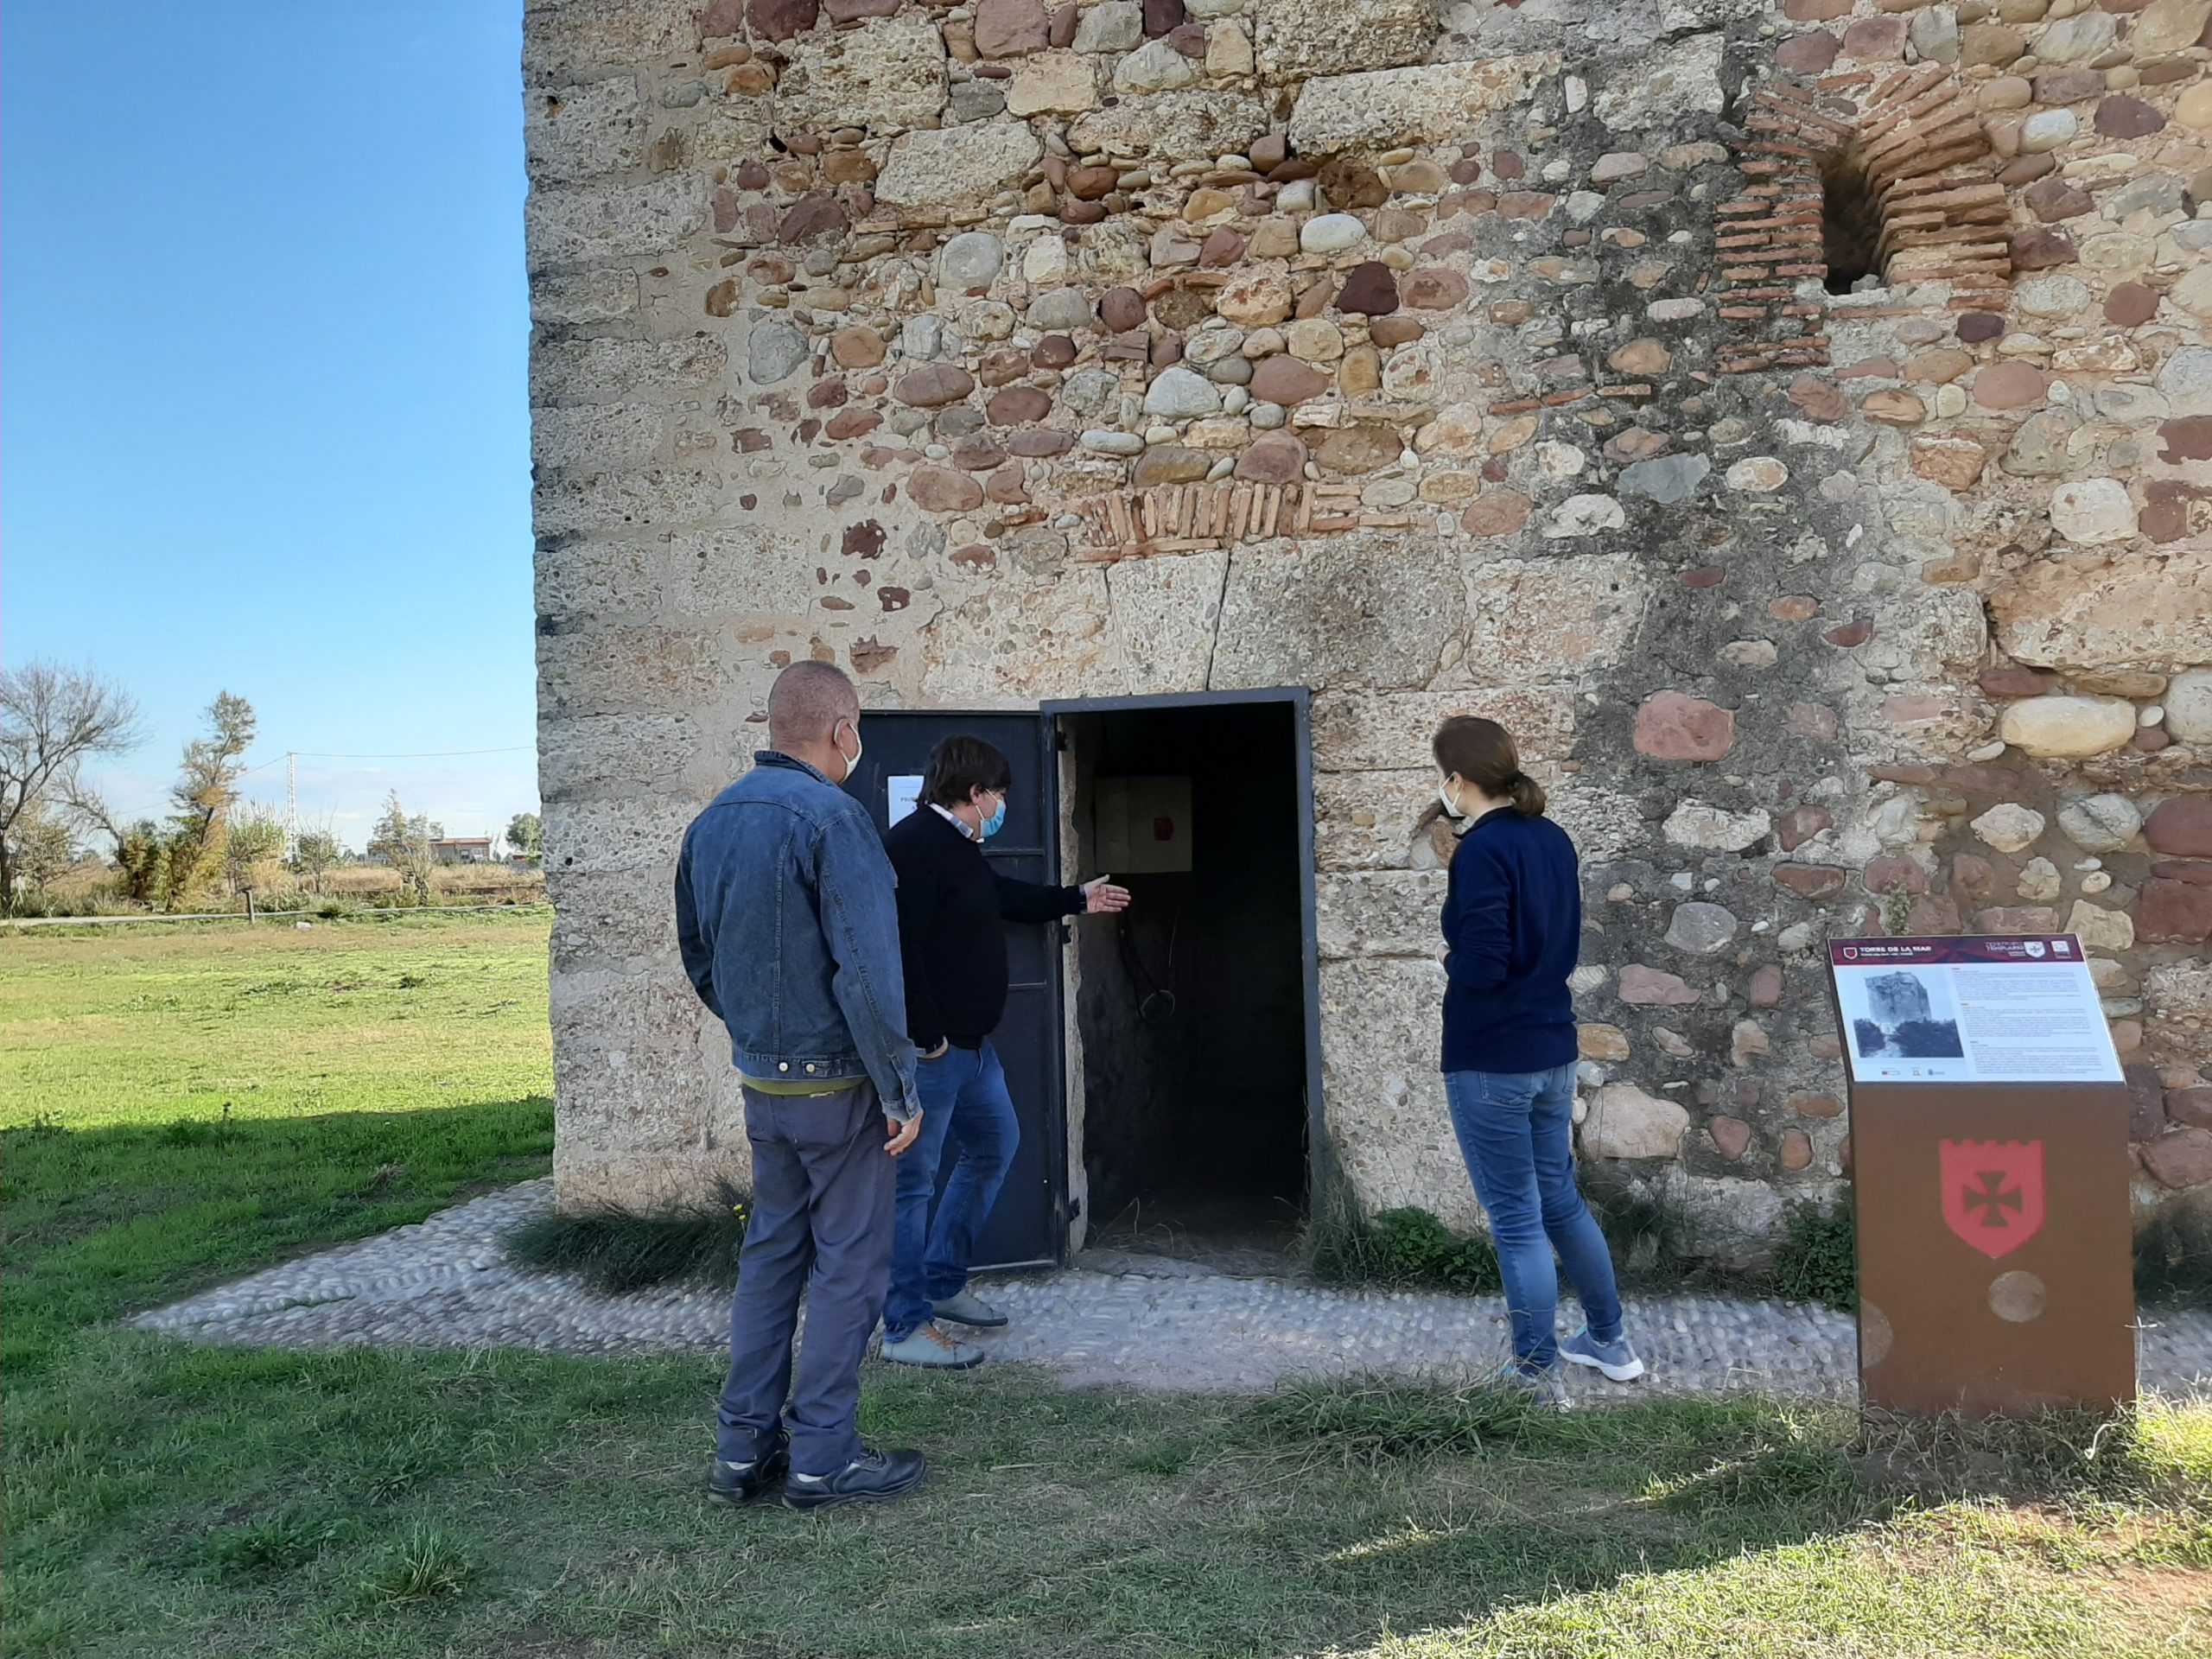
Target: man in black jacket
[[952, 943]]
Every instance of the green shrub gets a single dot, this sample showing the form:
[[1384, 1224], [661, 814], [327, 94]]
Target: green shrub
[[1416, 1247], [1342, 1244], [1819, 1261], [617, 1250]]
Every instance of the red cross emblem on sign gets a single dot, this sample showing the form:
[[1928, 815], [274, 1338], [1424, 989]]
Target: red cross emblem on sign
[[1992, 1192]]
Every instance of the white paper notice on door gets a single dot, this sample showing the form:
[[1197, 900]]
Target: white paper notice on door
[[906, 794], [1971, 1010]]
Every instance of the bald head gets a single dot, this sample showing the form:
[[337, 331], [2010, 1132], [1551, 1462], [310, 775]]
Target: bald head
[[806, 702]]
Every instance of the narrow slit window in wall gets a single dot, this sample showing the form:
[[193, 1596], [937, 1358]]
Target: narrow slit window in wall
[[1850, 221]]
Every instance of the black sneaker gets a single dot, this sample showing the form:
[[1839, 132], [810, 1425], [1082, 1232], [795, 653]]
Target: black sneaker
[[871, 1478], [742, 1483]]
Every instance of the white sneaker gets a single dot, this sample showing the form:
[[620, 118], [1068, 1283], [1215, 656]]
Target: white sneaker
[[929, 1346]]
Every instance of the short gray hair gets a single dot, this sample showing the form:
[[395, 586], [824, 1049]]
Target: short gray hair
[[806, 702]]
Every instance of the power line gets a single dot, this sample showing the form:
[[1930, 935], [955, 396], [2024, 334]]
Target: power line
[[429, 754], [433, 754]]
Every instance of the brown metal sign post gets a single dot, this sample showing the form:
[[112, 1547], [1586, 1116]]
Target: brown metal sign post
[[1989, 1152]]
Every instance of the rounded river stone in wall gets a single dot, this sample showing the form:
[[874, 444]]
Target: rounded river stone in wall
[[971, 260], [1357, 449], [1060, 310], [773, 352], [934, 385], [1016, 404], [1331, 234], [1286, 380], [1370, 291], [936, 489], [1278, 458], [1121, 309], [1701, 929]]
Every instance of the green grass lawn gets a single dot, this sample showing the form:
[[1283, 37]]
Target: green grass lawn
[[182, 1103], [164, 1499]]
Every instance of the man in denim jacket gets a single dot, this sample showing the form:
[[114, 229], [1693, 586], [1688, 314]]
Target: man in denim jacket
[[786, 916]]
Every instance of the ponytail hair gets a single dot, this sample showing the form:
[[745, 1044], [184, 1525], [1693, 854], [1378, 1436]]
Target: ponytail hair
[[1482, 753]]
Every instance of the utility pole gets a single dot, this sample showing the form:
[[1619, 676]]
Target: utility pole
[[291, 806]]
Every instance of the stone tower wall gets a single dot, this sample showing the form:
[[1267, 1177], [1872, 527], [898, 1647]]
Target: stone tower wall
[[1472, 359]]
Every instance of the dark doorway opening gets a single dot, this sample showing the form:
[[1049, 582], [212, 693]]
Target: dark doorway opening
[[1851, 220], [1193, 1012]]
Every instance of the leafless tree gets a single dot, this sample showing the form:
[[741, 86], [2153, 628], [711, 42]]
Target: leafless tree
[[52, 720], [40, 847]]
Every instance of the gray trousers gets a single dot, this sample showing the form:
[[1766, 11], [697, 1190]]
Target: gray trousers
[[823, 1190]]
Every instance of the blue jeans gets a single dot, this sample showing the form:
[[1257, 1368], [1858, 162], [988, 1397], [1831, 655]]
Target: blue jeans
[[1516, 1132], [963, 1099]]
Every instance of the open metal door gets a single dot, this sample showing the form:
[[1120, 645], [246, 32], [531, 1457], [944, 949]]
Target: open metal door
[[1028, 1226], [1299, 700]]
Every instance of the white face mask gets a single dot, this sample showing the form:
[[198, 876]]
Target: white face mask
[[1444, 799], [859, 748]]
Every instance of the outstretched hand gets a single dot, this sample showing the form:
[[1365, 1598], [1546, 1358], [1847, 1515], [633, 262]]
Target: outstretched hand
[[1102, 898]]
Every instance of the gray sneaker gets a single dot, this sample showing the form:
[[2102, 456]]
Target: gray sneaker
[[969, 1308], [1615, 1358], [927, 1346]]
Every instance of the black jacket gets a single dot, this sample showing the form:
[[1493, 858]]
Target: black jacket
[[950, 906]]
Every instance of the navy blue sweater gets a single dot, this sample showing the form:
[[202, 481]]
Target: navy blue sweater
[[1513, 921]]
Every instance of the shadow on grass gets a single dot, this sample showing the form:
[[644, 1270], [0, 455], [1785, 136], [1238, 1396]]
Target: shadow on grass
[[255, 1500], [103, 1223], [163, 1498]]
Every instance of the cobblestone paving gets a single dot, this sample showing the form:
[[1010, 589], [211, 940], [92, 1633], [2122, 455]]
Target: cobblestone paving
[[1116, 1319]]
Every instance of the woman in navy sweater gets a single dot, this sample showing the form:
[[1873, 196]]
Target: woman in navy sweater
[[1513, 924]]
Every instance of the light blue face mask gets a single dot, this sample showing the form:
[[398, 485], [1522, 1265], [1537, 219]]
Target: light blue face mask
[[996, 822]]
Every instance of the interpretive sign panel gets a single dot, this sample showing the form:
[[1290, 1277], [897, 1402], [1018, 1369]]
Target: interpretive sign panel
[[2020, 1009], [1990, 1172]]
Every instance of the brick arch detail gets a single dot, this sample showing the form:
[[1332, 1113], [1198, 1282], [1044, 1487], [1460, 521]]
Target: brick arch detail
[[1944, 213]]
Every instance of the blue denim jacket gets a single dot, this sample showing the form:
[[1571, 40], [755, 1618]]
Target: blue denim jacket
[[786, 916]]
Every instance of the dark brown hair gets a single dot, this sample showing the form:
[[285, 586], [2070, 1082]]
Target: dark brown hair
[[959, 766], [1482, 753]]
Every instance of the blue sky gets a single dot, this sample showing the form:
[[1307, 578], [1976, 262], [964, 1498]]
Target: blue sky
[[262, 390]]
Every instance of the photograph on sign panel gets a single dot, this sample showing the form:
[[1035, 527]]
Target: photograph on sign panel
[[1901, 1014]]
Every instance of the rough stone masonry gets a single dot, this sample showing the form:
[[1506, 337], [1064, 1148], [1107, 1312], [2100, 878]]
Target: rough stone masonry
[[1466, 356]]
